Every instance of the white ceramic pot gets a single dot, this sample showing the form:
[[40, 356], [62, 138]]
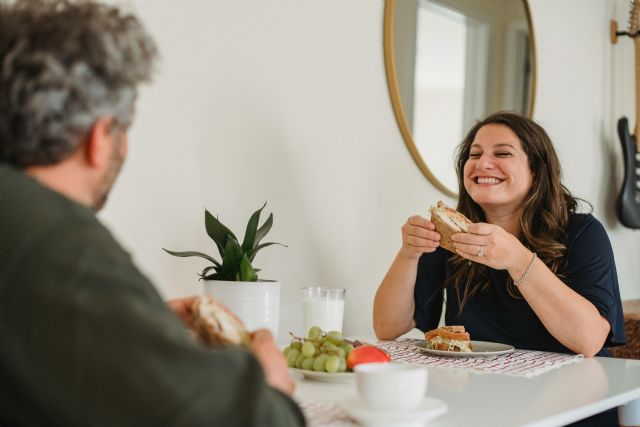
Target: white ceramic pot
[[257, 304]]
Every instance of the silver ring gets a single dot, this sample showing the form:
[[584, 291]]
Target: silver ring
[[481, 251]]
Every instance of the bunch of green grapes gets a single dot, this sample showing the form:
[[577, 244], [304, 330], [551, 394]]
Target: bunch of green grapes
[[319, 351]]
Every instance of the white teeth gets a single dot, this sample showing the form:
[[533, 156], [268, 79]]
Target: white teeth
[[483, 180]]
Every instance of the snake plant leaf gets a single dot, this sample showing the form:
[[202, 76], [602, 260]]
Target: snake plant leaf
[[252, 253], [246, 273], [217, 231], [207, 270], [193, 253], [231, 261], [252, 227], [214, 276], [262, 231]]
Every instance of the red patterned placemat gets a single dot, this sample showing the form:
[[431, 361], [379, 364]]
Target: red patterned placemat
[[519, 363], [326, 414]]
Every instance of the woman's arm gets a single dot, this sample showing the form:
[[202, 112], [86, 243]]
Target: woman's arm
[[568, 316], [394, 305]]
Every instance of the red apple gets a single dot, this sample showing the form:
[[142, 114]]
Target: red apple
[[367, 354]]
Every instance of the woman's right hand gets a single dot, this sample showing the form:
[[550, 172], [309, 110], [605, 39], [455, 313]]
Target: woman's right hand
[[418, 237]]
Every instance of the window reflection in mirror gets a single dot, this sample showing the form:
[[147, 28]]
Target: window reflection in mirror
[[454, 62]]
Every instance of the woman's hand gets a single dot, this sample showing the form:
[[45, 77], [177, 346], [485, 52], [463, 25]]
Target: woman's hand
[[491, 245], [418, 237]]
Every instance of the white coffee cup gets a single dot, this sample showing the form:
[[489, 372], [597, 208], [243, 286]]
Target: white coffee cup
[[391, 386]]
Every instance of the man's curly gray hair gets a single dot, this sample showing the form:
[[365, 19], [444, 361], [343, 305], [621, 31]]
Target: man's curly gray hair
[[63, 65]]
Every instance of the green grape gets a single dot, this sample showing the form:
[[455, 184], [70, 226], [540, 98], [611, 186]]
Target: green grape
[[343, 365], [314, 332], [335, 337], [292, 356], [286, 350], [348, 348], [332, 365], [296, 344], [340, 352], [299, 360], [329, 347], [318, 363], [308, 349], [307, 363]]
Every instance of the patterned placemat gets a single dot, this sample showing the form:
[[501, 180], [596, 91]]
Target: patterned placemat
[[326, 414], [519, 363]]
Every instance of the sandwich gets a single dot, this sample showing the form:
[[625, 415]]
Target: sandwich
[[448, 222], [449, 338], [215, 324]]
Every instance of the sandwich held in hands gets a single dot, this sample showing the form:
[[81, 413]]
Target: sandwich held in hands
[[449, 338], [216, 324], [448, 222]]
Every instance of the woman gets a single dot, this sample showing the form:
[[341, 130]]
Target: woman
[[531, 272]]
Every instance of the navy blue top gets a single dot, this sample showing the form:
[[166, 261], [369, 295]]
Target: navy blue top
[[497, 317]]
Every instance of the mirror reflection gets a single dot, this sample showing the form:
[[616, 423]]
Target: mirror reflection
[[450, 63]]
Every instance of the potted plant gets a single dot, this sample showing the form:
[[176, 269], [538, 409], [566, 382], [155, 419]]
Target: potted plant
[[233, 280]]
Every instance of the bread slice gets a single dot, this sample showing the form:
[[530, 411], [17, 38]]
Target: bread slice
[[448, 222], [449, 338], [216, 324]]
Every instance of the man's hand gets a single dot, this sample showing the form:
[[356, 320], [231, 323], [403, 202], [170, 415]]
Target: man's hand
[[182, 307], [272, 361]]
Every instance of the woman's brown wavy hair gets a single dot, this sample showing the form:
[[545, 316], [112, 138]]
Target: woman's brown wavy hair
[[545, 213]]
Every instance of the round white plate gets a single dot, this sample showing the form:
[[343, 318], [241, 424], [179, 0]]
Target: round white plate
[[342, 377], [429, 408], [480, 349]]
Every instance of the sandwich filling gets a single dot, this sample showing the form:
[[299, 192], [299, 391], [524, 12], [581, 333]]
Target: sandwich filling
[[449, 338], [216, 324], [219, 320], [440, 343], [451, 217]]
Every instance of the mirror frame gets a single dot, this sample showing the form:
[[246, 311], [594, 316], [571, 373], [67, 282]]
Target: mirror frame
[[394, 90]]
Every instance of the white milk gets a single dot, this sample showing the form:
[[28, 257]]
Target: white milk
[[323, 312]]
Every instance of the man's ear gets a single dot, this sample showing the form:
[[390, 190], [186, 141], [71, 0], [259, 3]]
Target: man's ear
[[98, 144]]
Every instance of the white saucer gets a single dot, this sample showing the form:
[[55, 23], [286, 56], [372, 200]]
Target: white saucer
[[428, 409]]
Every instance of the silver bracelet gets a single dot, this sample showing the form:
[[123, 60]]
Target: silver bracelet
[[526, 273]]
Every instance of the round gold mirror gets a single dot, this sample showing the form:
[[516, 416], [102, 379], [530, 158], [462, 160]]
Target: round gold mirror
[[450, 63]]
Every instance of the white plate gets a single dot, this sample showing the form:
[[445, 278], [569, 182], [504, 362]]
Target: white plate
[[429, 408], [342, 377], [480, 349]]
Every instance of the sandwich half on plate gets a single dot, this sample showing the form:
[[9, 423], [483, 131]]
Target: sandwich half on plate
[[449, 338], [448, 222]]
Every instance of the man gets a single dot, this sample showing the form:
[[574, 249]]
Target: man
[[85, 339]]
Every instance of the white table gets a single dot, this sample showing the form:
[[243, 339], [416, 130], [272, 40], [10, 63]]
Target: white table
[[554, 398]]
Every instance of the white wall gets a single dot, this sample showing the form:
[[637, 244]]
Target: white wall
[[286, 101]]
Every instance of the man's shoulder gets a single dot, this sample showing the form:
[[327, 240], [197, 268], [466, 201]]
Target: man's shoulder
[[27, 207], [35, 217]]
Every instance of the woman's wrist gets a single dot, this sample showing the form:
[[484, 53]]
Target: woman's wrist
[[409, 254], [521, 266]]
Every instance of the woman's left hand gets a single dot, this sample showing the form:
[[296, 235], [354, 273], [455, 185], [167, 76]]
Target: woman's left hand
[[490, 245]]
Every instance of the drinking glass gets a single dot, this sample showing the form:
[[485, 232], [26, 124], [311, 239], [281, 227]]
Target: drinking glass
[[323, 307]]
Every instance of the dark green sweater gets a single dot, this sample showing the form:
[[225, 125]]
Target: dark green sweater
[[85, 339]]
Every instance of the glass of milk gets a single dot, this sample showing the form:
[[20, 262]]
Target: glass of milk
[[323, 307]]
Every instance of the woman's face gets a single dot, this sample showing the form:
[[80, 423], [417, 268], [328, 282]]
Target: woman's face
[[497, 173]]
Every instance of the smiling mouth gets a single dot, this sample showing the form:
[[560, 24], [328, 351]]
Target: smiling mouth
[[487, 180]]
